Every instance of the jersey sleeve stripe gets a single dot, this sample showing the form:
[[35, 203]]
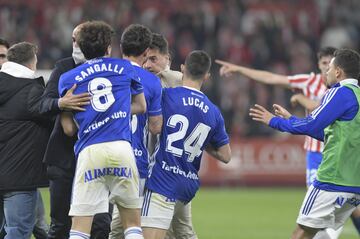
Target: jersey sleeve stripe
[[331, 94]]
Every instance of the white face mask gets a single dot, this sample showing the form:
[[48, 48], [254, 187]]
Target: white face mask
[[77, 55]]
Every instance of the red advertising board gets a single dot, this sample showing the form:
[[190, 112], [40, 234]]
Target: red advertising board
[[260, 162]]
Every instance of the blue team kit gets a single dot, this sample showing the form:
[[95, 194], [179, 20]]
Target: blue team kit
[[108, 80], [152, 92], [191, 123]]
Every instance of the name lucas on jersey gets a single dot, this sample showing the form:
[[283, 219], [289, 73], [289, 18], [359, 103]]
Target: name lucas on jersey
[[98, 68], [192, 101]]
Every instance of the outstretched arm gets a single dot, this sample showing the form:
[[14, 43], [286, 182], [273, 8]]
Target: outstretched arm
[[338, 104], [261, 76], [293, 125], [260, 114]]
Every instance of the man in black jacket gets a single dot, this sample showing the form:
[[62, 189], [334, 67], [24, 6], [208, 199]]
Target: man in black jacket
[[24, 133], [4, 46], [59, 154]]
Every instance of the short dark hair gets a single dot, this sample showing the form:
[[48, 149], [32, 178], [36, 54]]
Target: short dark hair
[[94, 38], [22, 53], [349, 61], [197, 64], [159, 42], [3, 42], [135, 40], [326, 51]]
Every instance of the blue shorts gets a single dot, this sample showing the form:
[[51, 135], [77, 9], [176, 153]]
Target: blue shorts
[[313, 160]]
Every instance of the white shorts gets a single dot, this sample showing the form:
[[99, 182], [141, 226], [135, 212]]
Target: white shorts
[[105, 172], [157, 210], [324, 209]]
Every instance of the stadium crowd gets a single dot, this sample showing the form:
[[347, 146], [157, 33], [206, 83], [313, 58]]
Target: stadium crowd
[[279, 36], [259, 34]]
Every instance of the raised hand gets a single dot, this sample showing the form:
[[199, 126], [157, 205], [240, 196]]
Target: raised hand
[[227, 68], [294, 100], [259, 113], [281, 111]]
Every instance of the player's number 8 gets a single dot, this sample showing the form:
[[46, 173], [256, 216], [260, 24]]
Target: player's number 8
[[101, 90]]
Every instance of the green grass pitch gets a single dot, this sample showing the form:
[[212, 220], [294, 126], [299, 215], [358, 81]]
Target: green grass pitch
[[246, 213]]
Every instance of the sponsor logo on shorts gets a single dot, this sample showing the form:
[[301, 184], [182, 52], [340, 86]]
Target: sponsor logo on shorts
[[101, 172], [352, 201]]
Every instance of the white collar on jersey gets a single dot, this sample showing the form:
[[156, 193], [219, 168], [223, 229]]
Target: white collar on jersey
[[134, 63], [17, 70], [348, 81], [191, 88]]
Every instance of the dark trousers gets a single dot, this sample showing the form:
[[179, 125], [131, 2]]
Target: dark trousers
[[60, 196]]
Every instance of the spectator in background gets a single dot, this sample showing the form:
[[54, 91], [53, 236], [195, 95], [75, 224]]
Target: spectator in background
[[264, 35], [24, 135], [59, 154], [4, 46]]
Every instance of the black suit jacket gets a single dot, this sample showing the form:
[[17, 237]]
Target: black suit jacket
[[60, 148]]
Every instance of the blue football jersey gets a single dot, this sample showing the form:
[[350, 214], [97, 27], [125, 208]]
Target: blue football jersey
[[152, 92], [191, 123], [110, 82]]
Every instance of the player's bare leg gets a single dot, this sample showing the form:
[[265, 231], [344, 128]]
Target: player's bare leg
[[154, 233], [81, 227], [302, 232], [130, 218], [355, 217]]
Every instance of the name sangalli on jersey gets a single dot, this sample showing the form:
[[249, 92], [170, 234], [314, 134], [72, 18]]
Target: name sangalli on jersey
[[98, 68], [192, 101]]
